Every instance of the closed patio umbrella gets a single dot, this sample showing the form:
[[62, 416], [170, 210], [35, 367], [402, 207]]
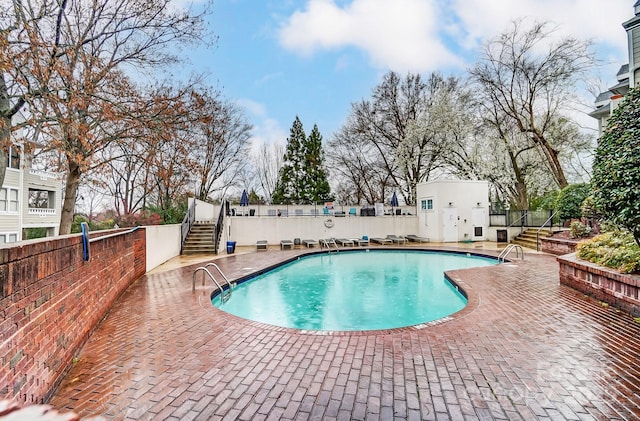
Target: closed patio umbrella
[[394, 201], [244, 200]]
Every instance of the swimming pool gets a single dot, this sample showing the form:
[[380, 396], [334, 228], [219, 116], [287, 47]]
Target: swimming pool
[[354, 290]]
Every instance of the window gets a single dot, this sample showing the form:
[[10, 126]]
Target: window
[[14, 157], [426, 204], [40, 199], [8, 200], [8, 238]]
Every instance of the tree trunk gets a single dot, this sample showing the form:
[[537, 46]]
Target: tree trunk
[[69, 203], [5, 128], [553, 161]]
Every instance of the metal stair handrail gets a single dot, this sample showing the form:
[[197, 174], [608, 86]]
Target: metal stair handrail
[[217, 232], [523, 216], [504, 253], [187, 222], [539, 229]]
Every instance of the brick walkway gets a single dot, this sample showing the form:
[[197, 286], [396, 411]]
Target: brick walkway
[[524, 348]]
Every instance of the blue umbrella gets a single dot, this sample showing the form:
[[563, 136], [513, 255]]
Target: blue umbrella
[[394, 200], [244, 200]]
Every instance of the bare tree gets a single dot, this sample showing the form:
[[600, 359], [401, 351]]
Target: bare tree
[[531, 83], [359, 168], [219, 143], [266, 166], [403, 130], [66, 63]]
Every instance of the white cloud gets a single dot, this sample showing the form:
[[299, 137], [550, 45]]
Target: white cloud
[[266, 130], [399, 34], [422, 35], [586, 19]]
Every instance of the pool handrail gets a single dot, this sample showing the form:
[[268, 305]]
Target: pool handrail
[[504, 253], [223, 296], [211, 264]]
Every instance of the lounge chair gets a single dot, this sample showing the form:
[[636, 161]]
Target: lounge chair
[[397, 239], [309, 243], [416, 239], [364, 241], [345, 242], [286, 244], [382, 241], [262, 245]]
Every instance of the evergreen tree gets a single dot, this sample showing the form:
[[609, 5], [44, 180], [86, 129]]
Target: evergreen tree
[[289, 183], [316, 178], [302, 179]]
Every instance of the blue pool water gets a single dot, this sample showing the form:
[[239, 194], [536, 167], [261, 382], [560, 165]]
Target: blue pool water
[[363, 290]]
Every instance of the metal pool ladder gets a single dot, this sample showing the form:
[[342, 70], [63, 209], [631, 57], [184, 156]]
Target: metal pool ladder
[[328, 242], [224, 295], [504, 253]]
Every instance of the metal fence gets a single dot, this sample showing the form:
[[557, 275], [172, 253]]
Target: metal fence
[[519, 218]]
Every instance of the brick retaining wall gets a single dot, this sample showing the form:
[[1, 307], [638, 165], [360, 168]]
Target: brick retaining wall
[[51, 300], [620, 290], [558, 246]]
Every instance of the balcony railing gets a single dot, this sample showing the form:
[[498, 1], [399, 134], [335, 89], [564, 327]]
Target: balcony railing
[[42, 211], [44, 175]]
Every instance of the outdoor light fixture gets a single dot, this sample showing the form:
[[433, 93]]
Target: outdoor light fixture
[[450, 204]]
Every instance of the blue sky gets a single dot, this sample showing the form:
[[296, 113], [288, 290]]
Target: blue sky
[[313, 58]]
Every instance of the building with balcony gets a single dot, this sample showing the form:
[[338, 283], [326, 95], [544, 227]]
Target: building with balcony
[[29, 198]]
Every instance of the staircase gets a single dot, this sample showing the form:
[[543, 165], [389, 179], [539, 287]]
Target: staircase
[[528, 238], [200, 239]]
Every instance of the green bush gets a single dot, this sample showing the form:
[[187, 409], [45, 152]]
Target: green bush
[[616, 167], [616, 250], [579, 230], [570, 199]]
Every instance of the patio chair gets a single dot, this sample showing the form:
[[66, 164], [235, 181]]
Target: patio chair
[[262, 245], [345, 242], [397, 239], [352, 212], [364, 241], [286, 244], [381, 241], [416, 239], [297, 243], [309, 243]]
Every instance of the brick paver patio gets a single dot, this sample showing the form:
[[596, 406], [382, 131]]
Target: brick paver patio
[[524, 348]]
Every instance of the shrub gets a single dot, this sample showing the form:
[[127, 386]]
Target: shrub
[[570, 199], [141, 218], [579, 230], [616, 167], [615, 249]]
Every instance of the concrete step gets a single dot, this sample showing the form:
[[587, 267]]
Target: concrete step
[[200, 239], [525, 243]]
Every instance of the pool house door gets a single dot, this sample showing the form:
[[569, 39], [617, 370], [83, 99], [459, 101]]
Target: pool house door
[[450, 224]]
